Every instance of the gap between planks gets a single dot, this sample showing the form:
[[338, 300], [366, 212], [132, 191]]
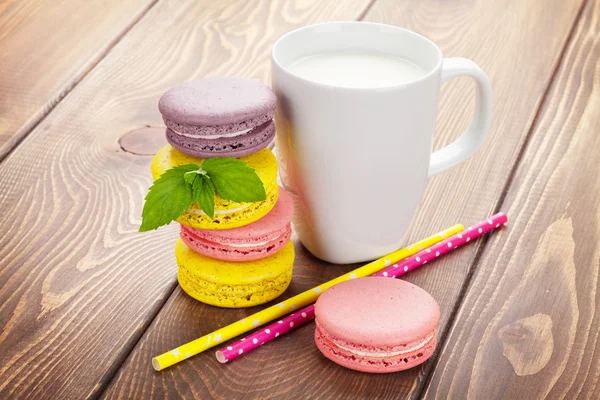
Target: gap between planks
[[61, 95], [428, 371], [15, 140]]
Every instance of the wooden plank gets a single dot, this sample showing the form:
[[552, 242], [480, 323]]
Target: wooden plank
[[46, 47], [491, 34], [528, 327], [78, 283]]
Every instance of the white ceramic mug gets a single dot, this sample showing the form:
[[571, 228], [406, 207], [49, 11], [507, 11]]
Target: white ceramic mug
[[356, 160]]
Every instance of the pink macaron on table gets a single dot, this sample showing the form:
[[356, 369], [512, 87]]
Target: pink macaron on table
[[376, 324]]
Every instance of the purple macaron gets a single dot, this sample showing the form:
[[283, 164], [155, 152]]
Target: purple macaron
[[219, 117]]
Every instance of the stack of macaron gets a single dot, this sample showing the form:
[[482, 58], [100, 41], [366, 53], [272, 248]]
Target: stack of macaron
[[242, 256]]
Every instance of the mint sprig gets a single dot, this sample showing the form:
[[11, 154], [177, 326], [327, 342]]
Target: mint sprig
[[203, 193], [180, 187], [234, 180]]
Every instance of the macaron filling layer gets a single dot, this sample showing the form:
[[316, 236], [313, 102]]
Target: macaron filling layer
[[218, 129], [214, 240], [420, 345], [247, 245], [381, 350], [250, 142], [230, 220], [374, 363], [225, 135], [220, 212], [225, 249]]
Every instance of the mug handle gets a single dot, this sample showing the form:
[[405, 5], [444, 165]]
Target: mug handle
[[466, 145]]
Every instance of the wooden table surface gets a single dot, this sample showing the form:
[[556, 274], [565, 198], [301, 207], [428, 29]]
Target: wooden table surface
[[86, 300]]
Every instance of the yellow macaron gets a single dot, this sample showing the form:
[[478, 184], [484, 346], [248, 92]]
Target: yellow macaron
[[228, 214], [234, 284]]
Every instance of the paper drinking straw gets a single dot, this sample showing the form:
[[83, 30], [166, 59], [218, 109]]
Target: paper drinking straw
[[445, 246], [293, 303], [307, 314], [258, 338]]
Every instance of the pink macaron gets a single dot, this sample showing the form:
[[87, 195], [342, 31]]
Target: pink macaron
[[257, 240], [376, 324]]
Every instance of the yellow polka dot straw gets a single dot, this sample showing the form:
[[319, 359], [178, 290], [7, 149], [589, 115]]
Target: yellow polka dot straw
[[242, 326]]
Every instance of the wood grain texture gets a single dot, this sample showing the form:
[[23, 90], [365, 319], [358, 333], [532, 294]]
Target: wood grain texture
[[489, 33], [78, 283], [529, 325], [46, 47]]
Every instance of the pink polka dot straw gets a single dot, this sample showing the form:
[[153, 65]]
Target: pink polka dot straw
[[306, 314], [267, 334]]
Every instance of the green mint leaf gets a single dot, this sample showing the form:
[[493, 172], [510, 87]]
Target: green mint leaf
[[234, 180], [203, 193], [191, 175], [167, 198]]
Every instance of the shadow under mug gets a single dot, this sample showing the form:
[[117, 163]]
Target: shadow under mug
[[356, 160]]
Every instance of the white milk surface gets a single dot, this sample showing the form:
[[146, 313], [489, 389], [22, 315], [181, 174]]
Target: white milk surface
[[356, 69]]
